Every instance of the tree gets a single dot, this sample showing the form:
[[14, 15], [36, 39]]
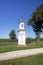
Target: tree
[[36, 21], [12, 35]]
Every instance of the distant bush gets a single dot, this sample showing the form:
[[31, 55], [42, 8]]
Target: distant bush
[[28, 40], [32, 40], [41, 39]]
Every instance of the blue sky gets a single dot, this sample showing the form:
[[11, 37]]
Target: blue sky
[[11, 11]]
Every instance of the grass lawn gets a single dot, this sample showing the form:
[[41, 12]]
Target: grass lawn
[[12, 46], [30, 60]]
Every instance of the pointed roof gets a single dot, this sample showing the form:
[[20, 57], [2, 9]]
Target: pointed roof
[[21, 21]]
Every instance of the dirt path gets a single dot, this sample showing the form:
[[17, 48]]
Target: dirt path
[[20, 53]]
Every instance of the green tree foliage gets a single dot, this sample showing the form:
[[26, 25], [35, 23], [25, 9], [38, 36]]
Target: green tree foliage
[[28, 40], [36, 21], [12, 35], [41, 39]]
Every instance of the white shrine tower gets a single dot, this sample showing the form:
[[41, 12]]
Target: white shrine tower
[[21, 34]]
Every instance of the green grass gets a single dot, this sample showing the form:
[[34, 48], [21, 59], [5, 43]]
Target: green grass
[[12, 46], [7, 43], [30, 60]]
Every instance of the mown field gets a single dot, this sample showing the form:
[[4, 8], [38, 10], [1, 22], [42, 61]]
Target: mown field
[[13, 46], [30, 60]]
